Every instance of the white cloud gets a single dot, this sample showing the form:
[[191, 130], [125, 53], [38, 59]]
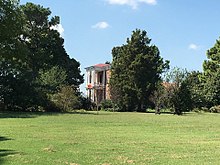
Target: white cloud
[[133, 3], [101, 25], [59, 28], [149, 2], [193, 47]]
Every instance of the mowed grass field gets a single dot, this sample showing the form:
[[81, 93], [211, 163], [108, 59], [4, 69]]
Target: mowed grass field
[[109, 139]]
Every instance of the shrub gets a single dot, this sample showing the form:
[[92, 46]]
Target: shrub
[[66, 99], [86, 103], [106, 104]]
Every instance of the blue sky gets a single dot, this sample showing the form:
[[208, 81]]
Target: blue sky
[[183, 30]]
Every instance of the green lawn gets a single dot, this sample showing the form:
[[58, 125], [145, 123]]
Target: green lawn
[[109, 139]]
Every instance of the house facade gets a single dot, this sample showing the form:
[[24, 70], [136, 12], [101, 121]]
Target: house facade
[[97, 82]]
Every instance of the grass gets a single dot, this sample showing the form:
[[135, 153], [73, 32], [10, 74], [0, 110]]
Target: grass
[[109, 139]]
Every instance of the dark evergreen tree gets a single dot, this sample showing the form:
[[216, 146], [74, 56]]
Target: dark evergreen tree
[[136, 69], [211, 75], [195, 86]]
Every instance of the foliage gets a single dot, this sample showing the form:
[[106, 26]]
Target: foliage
[[10, 21], [14, 86], [177, 89], [211, 75], [195, 86], [52, 79], [136, 69], [159, 97], [46, 47], [212, 89], [106, 104], [66, 99], [182, 99], [85, 102], [33, 60]]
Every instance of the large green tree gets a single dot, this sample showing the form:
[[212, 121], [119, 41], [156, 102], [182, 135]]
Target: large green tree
[[136, 69], [29, 49], [45, 51], [195, 86], [45, 45], [10, 21], [211, 75], [12, 53]]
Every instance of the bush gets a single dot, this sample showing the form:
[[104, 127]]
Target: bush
[[66, 99], [85, 103], [215, 109], [2, 106], [106, 104]]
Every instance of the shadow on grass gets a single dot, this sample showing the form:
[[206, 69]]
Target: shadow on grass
[[4, 138], [12, 114], [152, 112], [5, 152], [90, 112]]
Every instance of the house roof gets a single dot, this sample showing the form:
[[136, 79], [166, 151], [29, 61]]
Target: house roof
[[102, 65], [99, 67]]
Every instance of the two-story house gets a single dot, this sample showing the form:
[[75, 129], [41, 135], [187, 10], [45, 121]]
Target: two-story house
[[97, 82]]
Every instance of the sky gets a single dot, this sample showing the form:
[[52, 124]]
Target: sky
[[183, 30]]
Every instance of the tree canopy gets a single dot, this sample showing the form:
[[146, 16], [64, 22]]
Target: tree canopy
[[30, 49], [211, 75], [136, 69]]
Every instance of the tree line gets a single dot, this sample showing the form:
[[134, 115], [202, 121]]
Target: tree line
[[37, 74], [141, 79]]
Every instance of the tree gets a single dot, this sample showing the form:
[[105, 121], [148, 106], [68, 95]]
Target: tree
[[159, 97], [66, 99], [10, 21], [115, 95], [12, 53], [46, 53], [45, 45], [178, 94], [211, 75], [52, 79], [136, 69], [196, 86], [29, 49]]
